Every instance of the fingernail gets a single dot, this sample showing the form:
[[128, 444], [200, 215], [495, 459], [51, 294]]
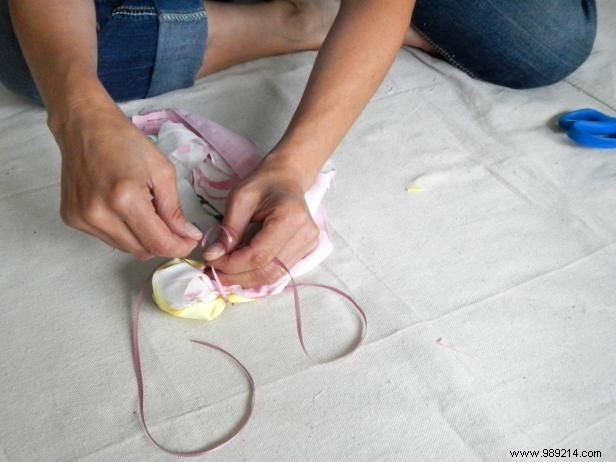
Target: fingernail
[[193, 230], [214, 251]]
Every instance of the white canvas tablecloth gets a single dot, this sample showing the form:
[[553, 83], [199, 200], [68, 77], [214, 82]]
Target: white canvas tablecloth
[[508, 253]]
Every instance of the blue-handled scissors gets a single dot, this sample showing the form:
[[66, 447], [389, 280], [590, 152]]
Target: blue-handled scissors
[[590, 127]]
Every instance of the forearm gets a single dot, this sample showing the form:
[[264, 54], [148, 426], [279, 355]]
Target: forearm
[[58, 40], [353, 61]]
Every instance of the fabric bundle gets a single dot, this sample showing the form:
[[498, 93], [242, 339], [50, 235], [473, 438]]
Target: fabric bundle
[[209, 161]]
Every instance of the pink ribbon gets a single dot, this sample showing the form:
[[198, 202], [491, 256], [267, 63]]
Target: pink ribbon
[[242, 157], [141, 399], [298, 321]]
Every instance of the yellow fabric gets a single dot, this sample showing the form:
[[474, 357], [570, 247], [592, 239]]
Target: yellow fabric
[[197, 309]]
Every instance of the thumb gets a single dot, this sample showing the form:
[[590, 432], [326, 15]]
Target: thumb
[[239, 210], [168, 207]]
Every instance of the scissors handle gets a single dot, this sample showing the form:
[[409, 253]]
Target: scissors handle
[[590, 127], [594, 134], [567, 120]]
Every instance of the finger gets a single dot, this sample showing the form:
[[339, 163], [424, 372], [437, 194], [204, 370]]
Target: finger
[[117, 236], [241, 206], [99, 234], [297, 248], [167, 204], [152, 232], [252, 279], [277, 230]]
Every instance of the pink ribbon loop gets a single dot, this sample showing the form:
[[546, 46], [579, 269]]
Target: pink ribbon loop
[[141, 398], [298, 321], [298, 311]]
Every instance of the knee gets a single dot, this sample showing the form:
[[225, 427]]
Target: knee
[[551, 53], [514, 44], [14, 72]]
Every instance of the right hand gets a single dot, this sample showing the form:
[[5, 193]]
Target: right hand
[[117, 186]]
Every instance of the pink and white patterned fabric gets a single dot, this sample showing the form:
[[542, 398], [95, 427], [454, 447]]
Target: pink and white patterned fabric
[[210, 160]]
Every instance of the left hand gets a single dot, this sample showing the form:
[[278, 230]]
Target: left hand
[[272, 196]]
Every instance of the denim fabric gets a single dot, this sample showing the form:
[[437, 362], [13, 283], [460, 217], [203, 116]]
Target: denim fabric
[[145, 48], [14, 73], [182, 35], [148, 47], [513, 43], [127, 35]]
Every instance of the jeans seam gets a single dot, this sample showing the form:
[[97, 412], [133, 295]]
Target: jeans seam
[[136, 8], [134, 11], [446, 54], [191, 16], [126, 13]]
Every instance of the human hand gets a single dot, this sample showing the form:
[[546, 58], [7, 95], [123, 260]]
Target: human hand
[[272, 196], [118, 187]]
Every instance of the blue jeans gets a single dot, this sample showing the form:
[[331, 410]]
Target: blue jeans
[[513, 43], [148, 47], [145, 48]]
